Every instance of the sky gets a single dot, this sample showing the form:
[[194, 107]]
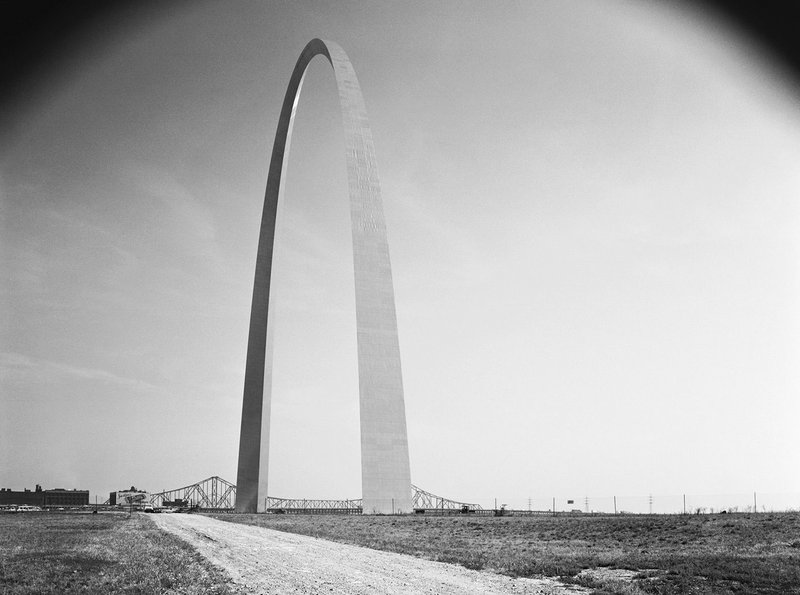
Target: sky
[[592, 218]]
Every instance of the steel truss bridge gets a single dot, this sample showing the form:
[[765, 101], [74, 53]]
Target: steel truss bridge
[[215, 493], [423, 500]]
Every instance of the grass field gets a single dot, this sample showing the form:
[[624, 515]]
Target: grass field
[[44, 552], [731, 553]]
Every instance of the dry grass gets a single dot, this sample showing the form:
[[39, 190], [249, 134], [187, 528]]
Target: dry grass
[[98, 553], [734, 553]]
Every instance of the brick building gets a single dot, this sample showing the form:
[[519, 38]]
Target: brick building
[[40, 497]]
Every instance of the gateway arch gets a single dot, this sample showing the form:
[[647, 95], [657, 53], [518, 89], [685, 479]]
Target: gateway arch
[[385, 470]]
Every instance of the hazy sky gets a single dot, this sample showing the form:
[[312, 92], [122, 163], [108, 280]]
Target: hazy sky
[[593, 224]]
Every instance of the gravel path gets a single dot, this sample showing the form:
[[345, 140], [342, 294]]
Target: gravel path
[[265, 561]]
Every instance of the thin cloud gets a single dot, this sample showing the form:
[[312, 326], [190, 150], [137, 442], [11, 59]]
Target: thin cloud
[[195, 219], [20, 368]]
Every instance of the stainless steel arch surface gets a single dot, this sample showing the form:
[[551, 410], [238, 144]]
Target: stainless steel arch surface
[[385, 470]]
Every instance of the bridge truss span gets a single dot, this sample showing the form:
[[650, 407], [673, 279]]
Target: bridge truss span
[[213, 493], [216, 493], [423, 500], [314, 506]]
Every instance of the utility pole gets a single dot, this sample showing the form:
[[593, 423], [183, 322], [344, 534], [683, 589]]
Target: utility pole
[[554, 507], [615, 505], [755, 504], [586, 503], [650, 499], [529, 503], [684, 504]]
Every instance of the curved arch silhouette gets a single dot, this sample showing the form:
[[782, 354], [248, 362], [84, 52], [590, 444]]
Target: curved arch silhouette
[[385, 470]]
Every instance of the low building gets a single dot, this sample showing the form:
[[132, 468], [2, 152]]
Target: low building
[[62, 497], [40, 497], [176, 503], [25, 496]]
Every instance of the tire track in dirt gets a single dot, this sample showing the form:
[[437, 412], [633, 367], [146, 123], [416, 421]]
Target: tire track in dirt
[[264, 561]]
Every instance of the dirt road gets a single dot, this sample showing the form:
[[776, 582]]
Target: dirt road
[[264, 561]]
